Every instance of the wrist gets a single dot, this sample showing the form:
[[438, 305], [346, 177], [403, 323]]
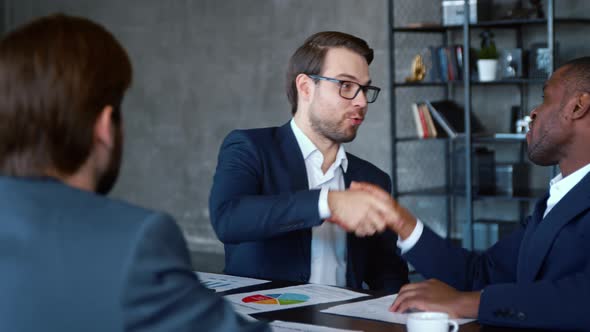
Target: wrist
[[333, 197], [469, 304], [407, 228]]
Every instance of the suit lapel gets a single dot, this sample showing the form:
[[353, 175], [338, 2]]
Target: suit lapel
[[293, 157], [352, 170], [296, 173], [531, 226], [352, 242], [541, 239]]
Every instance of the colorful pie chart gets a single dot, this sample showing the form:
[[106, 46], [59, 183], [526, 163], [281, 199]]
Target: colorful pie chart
[[276, 299]]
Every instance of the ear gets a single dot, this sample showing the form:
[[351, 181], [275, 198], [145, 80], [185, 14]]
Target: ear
[[305, 86], [104, 128], [582, 106]]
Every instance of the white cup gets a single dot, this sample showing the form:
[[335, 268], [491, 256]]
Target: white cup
[[430, 322]]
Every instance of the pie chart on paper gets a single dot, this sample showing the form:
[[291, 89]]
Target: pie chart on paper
[[276, 299]]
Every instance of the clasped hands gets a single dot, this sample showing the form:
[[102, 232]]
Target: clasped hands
[[366, 209]]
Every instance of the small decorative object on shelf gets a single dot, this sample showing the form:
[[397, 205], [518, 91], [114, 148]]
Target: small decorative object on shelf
[[519, 11], [539, 60], [487, 56], [454, 14], [510, 63], [522, 125], [418, 71], [512, 179]]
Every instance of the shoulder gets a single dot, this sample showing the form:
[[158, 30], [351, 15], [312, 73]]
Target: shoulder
[[255, 135], [105, 226], [254, 143], [114, 215], [367, 171]]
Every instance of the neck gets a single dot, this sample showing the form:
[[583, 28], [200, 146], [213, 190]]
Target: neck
[[81, 179], [568, 168], [575, 156], [80, 182], [327, 147]]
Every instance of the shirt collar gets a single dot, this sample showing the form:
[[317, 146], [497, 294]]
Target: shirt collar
[[307, 147], [571, 180]]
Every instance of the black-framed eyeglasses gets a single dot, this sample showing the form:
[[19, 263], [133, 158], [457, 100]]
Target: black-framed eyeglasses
[[349, 90]]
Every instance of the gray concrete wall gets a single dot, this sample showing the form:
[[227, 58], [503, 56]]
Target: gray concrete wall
[[204, 67]]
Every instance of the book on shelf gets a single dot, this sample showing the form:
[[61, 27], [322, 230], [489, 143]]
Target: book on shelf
[[446, 63], [418, 121], [425, 126], [432, 132], [451, 119], [434, 74]]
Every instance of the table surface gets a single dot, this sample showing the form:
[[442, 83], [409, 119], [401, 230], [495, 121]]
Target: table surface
[[312, 314]]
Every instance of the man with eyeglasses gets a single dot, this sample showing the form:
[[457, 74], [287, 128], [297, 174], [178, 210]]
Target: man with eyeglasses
[[279, 201]]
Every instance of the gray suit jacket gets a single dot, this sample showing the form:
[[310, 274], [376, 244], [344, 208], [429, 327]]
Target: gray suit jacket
[[71, 260]]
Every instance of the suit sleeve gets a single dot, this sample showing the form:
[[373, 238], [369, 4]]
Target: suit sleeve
[[163, 294], [544, 304], [387, 270], [240, 211], [434, 257]]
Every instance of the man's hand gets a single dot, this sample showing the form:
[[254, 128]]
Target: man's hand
[[434, 295], [400, 220], [360, 212]]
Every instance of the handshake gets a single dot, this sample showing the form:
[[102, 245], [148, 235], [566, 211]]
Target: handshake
[[366, 209]]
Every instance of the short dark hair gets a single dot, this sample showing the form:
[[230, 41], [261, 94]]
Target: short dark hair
[[577, 75], [57, 73], [309, 57]]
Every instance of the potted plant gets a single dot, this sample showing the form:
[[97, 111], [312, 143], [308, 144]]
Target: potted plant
[[487, 57]]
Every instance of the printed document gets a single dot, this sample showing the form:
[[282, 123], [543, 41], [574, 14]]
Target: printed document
[[377, 309], [280, 326], [288, 297], [222, 282]]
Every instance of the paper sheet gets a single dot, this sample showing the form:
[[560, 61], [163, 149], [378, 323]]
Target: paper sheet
[[377, 309], [222, 282], [280, 326], [288, 297]]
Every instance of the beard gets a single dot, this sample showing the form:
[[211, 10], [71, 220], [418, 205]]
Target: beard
[[108, 178], [542, 150], [332, 130]]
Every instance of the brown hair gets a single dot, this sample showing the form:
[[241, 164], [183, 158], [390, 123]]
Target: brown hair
[[57, 73], [309, 57]]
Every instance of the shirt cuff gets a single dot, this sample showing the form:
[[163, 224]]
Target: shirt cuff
[[323, 207], [410, 241]]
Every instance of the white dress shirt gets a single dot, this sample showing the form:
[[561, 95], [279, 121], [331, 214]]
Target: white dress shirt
[[328, 241], [558, 188]]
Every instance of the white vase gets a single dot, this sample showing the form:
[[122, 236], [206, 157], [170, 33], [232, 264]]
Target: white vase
[[486, 68]]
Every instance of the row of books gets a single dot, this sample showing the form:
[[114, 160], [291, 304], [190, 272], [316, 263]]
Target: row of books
[[425, 127], [446, 63], [443, 118]]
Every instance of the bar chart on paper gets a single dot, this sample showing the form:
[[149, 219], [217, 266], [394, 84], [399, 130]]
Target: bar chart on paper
[[222, 282]]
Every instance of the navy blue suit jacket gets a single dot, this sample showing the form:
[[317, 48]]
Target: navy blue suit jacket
[[538, 277], [263, 211], [71, 260]]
